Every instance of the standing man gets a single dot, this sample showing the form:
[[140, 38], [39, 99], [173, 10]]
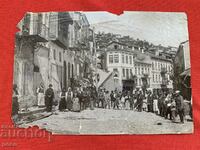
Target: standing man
[[179, 105], [93, 97], [49, 96], [140, 101], [150, 101], [112, 99], [116, 99]]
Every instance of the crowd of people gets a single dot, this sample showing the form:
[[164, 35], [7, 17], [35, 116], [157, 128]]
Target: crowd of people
[[164, 103], [167, 104]]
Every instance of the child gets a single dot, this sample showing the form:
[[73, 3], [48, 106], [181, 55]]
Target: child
[[173, 110], [76, 105]]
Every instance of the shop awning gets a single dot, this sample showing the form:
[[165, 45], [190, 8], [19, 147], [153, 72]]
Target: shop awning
[[186, 73]]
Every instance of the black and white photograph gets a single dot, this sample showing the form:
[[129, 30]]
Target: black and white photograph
[[97, 73]]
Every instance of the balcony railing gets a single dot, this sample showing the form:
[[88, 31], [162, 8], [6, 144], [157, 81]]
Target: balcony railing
[[32, 26]]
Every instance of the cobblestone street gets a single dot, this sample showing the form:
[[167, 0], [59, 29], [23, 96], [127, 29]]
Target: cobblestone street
[[108, 121]]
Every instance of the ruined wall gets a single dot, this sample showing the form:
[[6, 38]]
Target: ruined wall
[[24, 74]]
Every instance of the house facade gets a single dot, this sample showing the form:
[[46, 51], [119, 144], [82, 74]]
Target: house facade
[[182, 70], [162, 68], [131, 66], [51, 48], [136, 68]]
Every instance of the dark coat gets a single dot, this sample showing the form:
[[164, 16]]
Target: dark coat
[[179, 102], [49, 96]]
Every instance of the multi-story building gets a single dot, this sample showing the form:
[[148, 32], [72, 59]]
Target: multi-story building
[[130, 66], [54, 48], [81, 43], [135, 68], [120, 60], [34, 30], [160, 72], [143, 70], [182, 70]]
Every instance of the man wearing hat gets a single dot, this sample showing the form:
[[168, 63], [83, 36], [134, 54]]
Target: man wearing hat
[[49, 96], [179, 105]]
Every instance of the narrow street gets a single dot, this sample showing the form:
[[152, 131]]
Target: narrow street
[[108, 121]]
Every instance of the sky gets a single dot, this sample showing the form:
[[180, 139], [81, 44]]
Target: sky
[[165, 28]]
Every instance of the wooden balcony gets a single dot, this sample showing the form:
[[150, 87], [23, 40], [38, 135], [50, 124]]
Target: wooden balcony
[[33, 28]]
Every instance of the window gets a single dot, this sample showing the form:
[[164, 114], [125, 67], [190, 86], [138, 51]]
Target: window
[[110, 59], [153, 78], [130, 59], [131, 74], [72, 71], [123, 71], [127, 73], [54, 54], [127, 59], [69, 71], [115, 46], [116, 58], [60, 57], [156, 65], [135, 71], [115, 69], [122, 58], [142, 70], [138, 70], [159, 65], [152, 65], [156, 78]]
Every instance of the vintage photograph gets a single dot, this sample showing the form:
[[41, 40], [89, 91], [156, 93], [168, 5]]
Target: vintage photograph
[[100, 73]]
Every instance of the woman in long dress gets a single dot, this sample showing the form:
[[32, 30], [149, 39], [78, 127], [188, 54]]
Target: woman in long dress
[[127, 101], [76, 103], [155, 105], [69, 97], [62, 104], [40, 96], [122, 101]]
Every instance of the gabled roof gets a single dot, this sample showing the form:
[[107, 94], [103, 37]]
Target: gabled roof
[[103, 76]]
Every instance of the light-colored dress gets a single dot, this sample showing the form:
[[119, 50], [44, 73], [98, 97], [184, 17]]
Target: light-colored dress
[[155, 105], [69, 97], [144, 106], [40, 92], [76, 104], [127, 103]]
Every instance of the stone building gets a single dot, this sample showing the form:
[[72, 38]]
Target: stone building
[[130, 66], [182, 70], [34, 30], [133, 68], [53, 47], [161, 70]]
